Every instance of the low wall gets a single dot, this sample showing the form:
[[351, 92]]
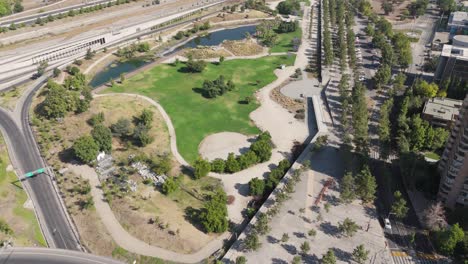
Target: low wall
[[236, 248]]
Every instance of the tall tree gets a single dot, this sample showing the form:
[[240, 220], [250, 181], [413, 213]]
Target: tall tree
[[85, 149], [399, 208], [360, 254], [366, 185], [360, 119], [348, 188], [329, 257]]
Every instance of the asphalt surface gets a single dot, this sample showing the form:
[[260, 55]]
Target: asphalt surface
[[32, 18], [55, 225], [50, 256]]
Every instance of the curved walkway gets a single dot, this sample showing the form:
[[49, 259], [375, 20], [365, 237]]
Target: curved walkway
[[167, 119], [129, 242]]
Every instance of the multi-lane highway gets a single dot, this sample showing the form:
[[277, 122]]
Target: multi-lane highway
[[30, 19], [50, 256], [53, 219]]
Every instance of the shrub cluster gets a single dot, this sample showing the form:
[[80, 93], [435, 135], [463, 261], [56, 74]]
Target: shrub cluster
[[197, 27], [260, 151], [218, 87]]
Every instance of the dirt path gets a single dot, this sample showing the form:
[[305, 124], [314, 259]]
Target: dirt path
[[167, 119], [127, 241]]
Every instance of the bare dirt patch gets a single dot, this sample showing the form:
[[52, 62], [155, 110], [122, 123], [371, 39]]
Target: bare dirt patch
[[219, 145], [292, 105], [248, 14], [246, 47], [206, 53]]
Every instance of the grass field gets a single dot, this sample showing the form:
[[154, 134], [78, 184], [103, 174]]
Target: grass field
[[283, 43], [195, 117], [12, 197]]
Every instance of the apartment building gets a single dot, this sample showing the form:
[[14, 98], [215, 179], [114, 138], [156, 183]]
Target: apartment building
[[453, 166]]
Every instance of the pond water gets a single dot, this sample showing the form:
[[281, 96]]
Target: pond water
[[114, 70], [217, 37]]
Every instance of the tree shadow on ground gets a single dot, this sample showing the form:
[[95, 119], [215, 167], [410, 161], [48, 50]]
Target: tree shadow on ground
[[312, 259], [330, 229], [291, 249], [331, 199], [66, 155], [342, 255], [242, 189], [192, 215], [278, 261], [299, 234], [272, 240]]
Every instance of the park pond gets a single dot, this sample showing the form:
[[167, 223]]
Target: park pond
[[115, 69]]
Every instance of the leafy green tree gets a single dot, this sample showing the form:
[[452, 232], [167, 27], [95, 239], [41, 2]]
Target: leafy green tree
[[218, 165], [348, 188], [170, 185], [162, 165], [262, 148], [261, 226], [232, 165], [425, 89], [447, 5], [122, 128], [288, 7], [252, 242], [399, 208], [257, 187], [201, 168], [241, 260], [348, 227], [56, 103], [399, 81], [56, 72], [85, 149], [214, 214], [284, 237], [383, 75], [195, 66], [384, 128], [360, 119], [329, 257], [360, 254], [305, 247], [366, 185], [146, 117], [102, 135], [221, 60], [141, 135], [447, 239], [436, 137], [385, 27], [417, 136], [5, 228], [387, 7], [296, 260]]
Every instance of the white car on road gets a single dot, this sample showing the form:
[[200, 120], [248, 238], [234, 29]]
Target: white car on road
[[387, 224]]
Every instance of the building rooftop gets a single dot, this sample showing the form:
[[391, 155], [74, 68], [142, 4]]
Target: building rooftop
[[455, 51], [441, 37], [458, 18], [442, 108]]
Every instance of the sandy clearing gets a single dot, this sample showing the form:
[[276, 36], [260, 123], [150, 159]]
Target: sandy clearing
[[219, 145]]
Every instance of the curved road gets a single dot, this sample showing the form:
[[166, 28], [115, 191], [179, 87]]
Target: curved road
[[50, 256], [25, 156]]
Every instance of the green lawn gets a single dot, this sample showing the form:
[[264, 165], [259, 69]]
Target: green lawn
[[195, 117], [432, 155], [12, 197], [283, 43]]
